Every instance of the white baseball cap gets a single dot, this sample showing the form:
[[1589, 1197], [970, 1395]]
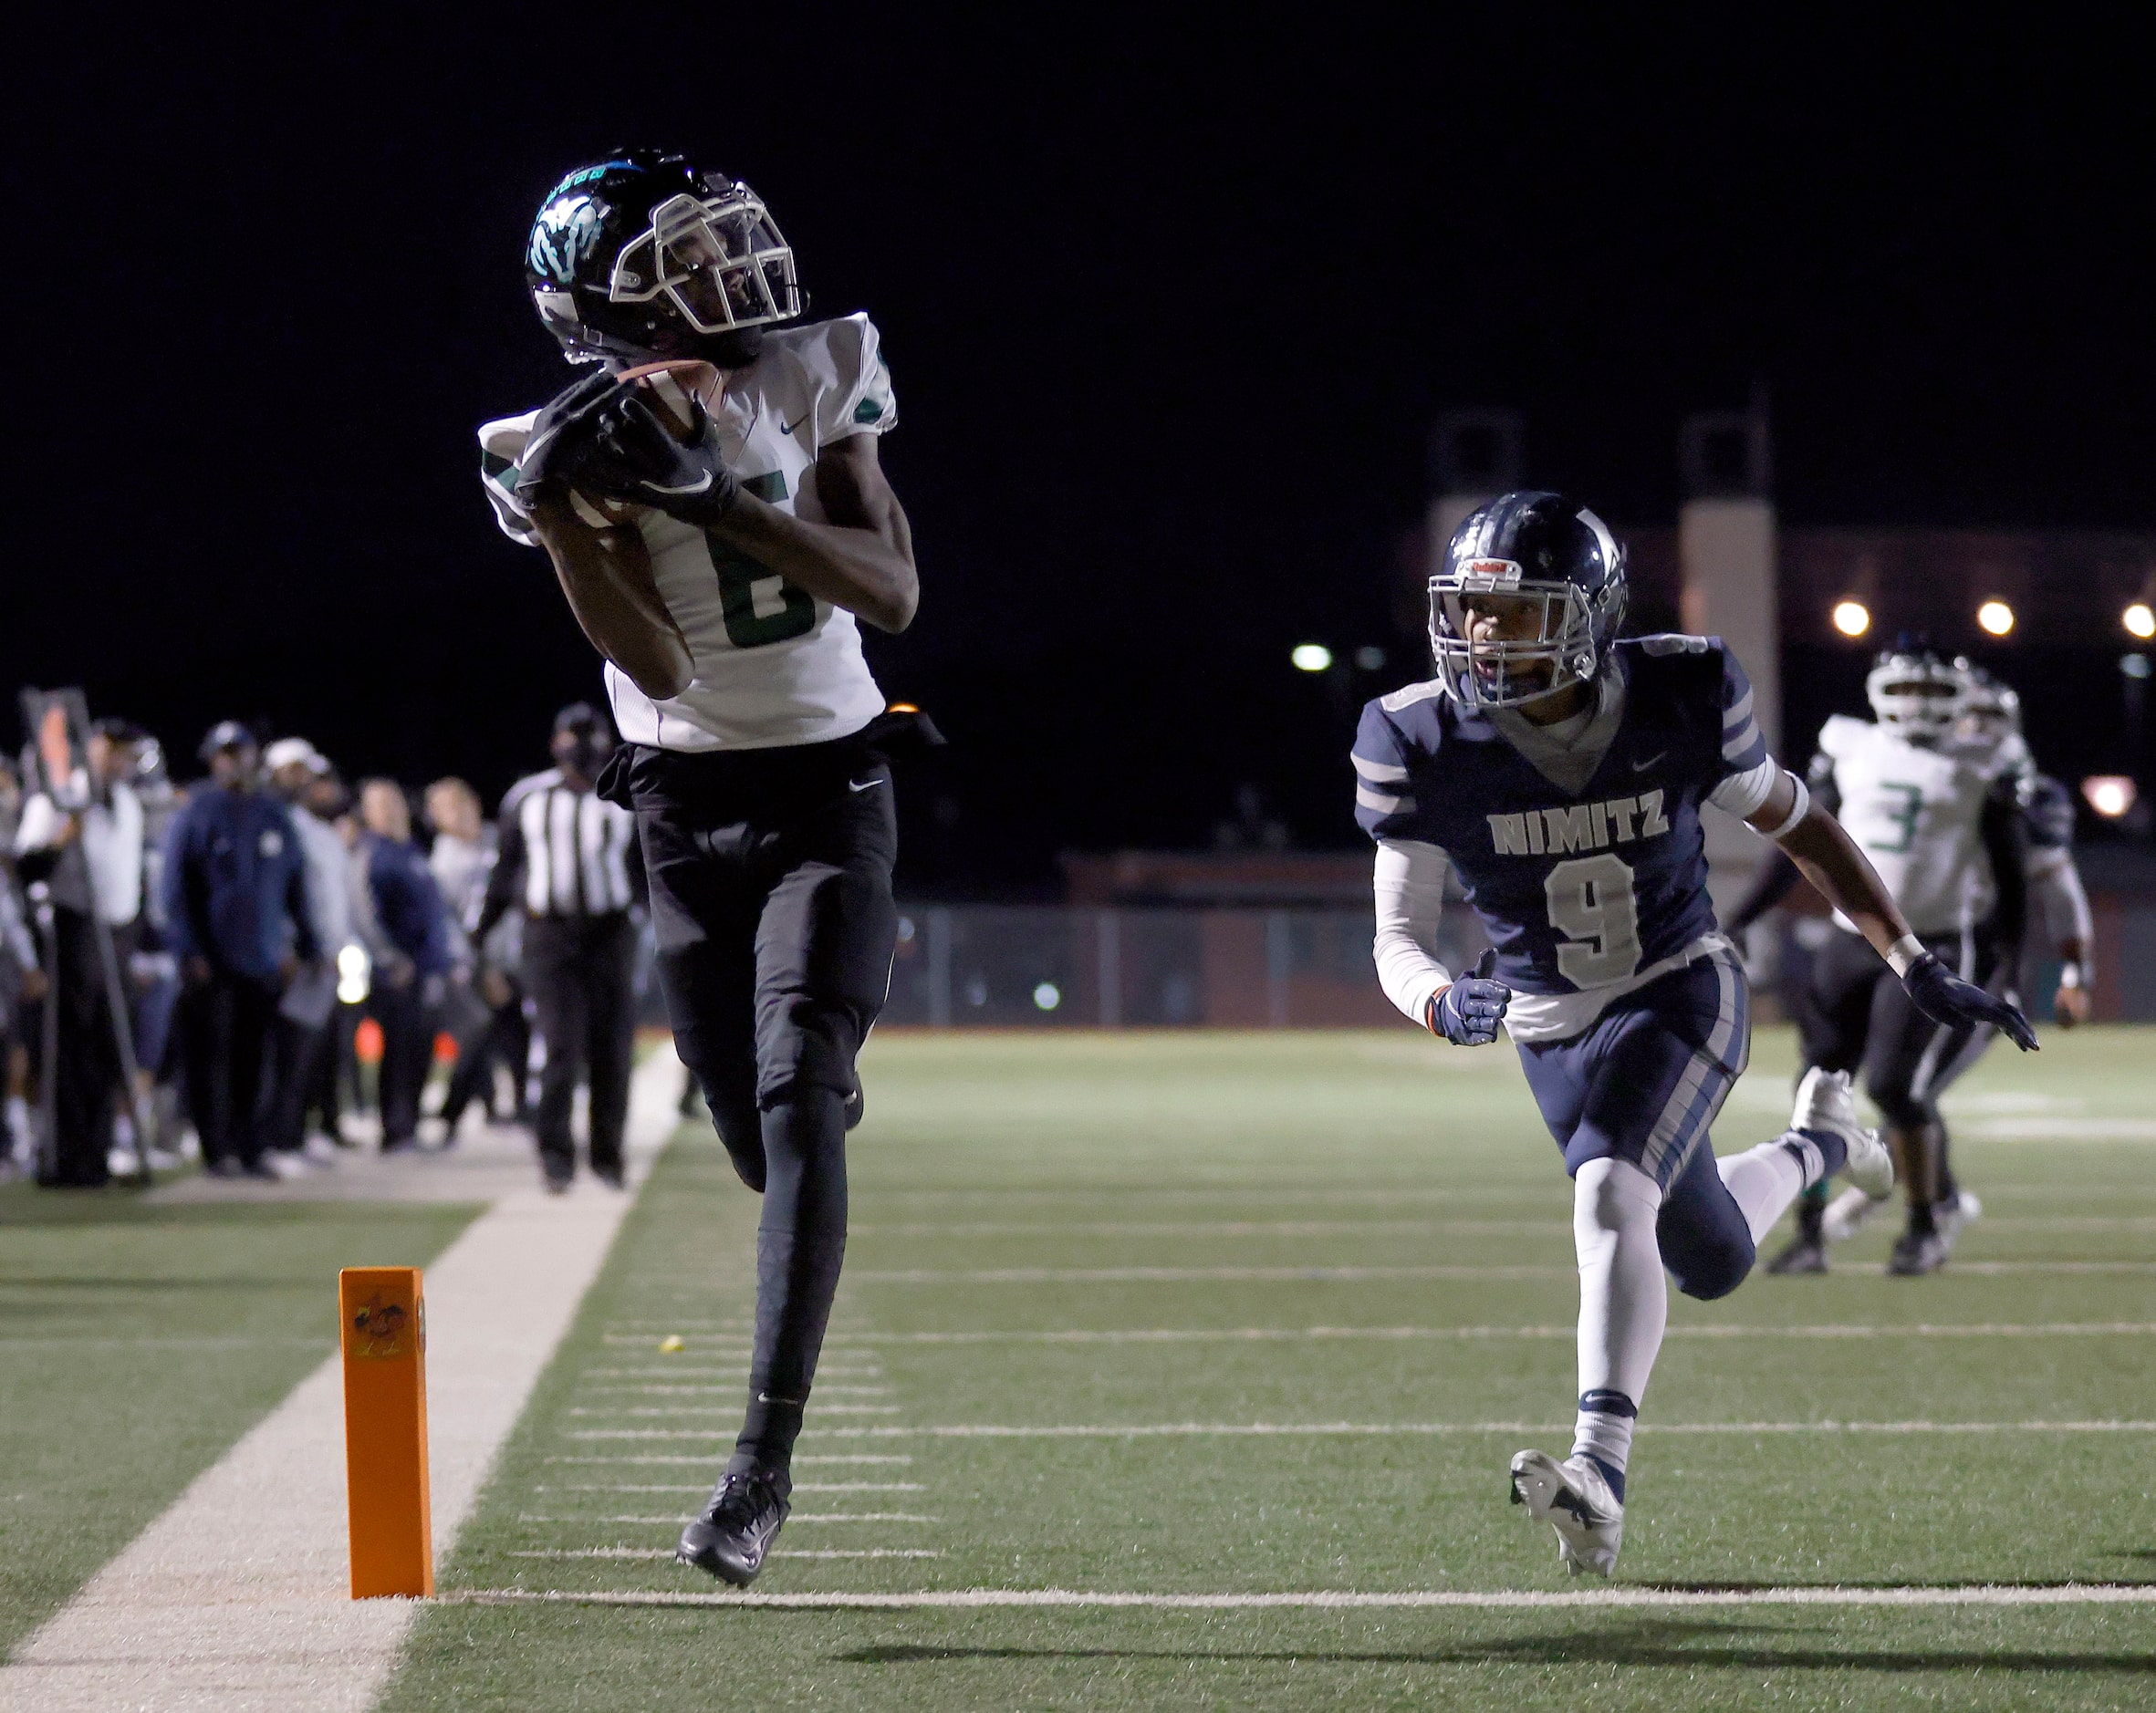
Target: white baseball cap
[[287, 752]]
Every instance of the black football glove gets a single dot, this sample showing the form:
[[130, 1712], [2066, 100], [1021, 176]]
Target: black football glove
[[562, 436], [634, 458], [1954, 1003], [1467, 1013]]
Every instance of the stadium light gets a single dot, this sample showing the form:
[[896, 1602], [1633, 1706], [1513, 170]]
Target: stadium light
[[1047, 996], [2139, 620], [1853, 618], [1996, 618], [2109, 794], [1311, 657]]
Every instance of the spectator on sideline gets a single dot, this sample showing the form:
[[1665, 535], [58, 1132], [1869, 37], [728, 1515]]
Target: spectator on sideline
[[237, 912], [495, 1031], [412, 973], [305, 1035], [82, 836]]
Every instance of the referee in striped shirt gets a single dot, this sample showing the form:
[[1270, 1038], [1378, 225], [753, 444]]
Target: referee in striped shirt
[[569, 860]]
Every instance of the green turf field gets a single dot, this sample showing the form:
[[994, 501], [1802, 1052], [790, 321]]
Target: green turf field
[[1333, 1273], [137, 1343]]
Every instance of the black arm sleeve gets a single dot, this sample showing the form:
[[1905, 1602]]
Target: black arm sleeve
[[2005, 842], [504, 880]]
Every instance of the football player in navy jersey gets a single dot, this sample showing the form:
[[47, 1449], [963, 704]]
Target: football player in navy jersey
[[1563, 773]]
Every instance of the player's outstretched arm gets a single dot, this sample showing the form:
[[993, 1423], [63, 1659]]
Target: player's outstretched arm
[[607, 576], [1814, 840], [863, 559]]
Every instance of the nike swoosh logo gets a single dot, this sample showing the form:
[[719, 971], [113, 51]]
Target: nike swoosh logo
[[695, 487], [787, 428], [1641, 767], [862, 784]]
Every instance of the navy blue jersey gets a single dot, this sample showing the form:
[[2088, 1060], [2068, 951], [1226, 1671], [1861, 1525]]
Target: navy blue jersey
[[1583, 890]]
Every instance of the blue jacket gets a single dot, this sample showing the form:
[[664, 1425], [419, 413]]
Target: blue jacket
[[407, 904], [236, 883]]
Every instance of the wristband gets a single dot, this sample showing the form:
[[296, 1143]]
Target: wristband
[[1802, 807], [1904, 953]]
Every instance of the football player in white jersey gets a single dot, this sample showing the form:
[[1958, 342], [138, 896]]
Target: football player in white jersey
[[1940, 821], [721, 563]]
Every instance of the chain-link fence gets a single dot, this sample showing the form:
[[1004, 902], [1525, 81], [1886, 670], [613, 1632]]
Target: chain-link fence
[[971, 966]]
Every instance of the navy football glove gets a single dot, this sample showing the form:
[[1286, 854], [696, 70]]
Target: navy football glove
[[561, 436], [1467, 1013], [634, 458], [1954, 1003]]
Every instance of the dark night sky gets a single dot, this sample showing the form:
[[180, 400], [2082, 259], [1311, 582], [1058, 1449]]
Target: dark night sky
[[1168, 312]]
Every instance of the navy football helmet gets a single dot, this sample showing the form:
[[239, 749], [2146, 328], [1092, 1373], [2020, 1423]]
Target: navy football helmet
[[640, 256], [1535, 547]]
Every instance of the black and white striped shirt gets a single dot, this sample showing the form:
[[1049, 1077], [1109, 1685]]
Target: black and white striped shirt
[[564, 852]]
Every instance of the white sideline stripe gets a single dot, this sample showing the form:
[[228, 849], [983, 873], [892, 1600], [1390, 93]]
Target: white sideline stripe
[[1984, 1594], [237, 1599], [1205, 1334], [1358, 1275], [982, 1430], [667, 1552]]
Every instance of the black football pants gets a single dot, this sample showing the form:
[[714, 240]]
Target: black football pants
[[224, 1026], [770, 875], [581, 973], [1856, 1016]]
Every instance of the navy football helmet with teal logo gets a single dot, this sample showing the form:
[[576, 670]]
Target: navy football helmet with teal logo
[[641, 257], [1559, 574]]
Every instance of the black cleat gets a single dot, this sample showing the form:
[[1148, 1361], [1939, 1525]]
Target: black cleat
[[1917, 1253], [736, 1530], [612, 1176], [1804, 1254]]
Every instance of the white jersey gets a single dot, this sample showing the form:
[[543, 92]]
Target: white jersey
[[1917, 811], [773, 664]]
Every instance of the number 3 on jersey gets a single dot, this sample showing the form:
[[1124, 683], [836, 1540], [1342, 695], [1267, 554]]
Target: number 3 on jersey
[[1591, 904]]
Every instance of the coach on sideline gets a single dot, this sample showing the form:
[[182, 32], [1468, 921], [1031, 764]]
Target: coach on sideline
[[235, 900]]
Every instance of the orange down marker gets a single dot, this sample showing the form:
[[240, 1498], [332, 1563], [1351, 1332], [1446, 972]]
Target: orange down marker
[[384, 1323]]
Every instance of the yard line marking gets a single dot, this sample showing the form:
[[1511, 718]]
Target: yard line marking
[[667, 1552], [704, 1487], [1208, 1334], [704, 1409], [982, 1430], [728, 1391], [1360, 1275], [1384, 1227], [674, 1521], [1979, 1595], [700, 1460]]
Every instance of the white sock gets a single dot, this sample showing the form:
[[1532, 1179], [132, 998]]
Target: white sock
[[1765, 1180], [1624, 1303]]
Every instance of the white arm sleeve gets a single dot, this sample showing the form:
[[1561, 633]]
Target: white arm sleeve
[[2065, 903], [1742, 794], [1409, 884]]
